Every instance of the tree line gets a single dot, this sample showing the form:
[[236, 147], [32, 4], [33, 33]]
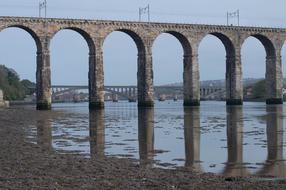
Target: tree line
[[11, 85]]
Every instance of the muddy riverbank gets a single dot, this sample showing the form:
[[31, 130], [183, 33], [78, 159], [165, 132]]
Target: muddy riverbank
[[24, 165]]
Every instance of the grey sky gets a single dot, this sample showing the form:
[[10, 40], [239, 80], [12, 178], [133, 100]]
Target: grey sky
[[69, 52]]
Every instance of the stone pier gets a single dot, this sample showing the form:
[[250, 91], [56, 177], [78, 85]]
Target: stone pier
[[43, 77]]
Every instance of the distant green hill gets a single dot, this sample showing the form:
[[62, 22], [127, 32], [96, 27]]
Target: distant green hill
[[13, 88], [259, 90]]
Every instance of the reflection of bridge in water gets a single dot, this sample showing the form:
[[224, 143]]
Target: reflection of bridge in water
[[274, 164], [130, 92]]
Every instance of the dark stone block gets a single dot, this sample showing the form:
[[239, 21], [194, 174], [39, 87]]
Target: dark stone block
[[234, 102], [145, 104], [44, 106], [96, 105], [274, 101], [191, 103]]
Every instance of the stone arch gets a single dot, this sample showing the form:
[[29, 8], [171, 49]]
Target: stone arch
[[282, 52], [136, 37], [265, 41], [144, 66], [273, 76], [226, 41], [96, 95], [186, 45], [33, 34], [233, 80], [190, 78], [282, 45], [90, 42], [39, 46]]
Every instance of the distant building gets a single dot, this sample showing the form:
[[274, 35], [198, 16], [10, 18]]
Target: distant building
[[248, 92]]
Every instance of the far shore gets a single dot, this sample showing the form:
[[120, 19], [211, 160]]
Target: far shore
[[21, 102]]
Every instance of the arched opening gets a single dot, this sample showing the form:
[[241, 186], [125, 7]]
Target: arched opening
[[18, 54], [120, 60], [217, 62], [253, 58], [212, 59], [70, 51], [124, 62], [167, 65], [168, 53], [283, 61], [267, 87]]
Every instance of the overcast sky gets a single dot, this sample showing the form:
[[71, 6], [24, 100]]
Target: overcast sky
[[69, 52]]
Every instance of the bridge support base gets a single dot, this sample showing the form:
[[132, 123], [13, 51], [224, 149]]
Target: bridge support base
[[274, 101], [191, 103], [44, 106], [96, 105], [234, 102], [145, 104]]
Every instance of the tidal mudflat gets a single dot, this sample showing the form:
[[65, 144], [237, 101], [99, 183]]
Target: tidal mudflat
[[38, 151]]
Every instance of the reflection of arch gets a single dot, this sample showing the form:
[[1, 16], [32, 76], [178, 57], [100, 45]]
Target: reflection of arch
[[31, 32], [234, 165], [97, 133], [192, 137], [146, 135], [275, 164]]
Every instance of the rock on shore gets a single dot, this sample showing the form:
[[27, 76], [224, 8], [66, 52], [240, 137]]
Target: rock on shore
[[2, 102]]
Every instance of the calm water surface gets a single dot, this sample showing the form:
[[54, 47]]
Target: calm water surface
[[236, 140]]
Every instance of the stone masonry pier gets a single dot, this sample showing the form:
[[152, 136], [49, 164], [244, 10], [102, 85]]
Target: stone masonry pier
[[144, 35]]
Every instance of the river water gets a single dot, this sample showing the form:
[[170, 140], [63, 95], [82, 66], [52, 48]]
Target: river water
[[230, 140]]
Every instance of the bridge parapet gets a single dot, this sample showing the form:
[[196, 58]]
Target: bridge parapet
[[86, 22]]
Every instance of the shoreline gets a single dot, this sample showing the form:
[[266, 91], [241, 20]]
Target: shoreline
[[24, 165], [20, 102]]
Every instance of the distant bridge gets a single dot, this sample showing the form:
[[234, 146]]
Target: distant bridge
[[130, 92]]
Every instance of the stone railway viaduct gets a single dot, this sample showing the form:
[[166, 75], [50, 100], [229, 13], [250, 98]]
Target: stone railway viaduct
[[144, 34]]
